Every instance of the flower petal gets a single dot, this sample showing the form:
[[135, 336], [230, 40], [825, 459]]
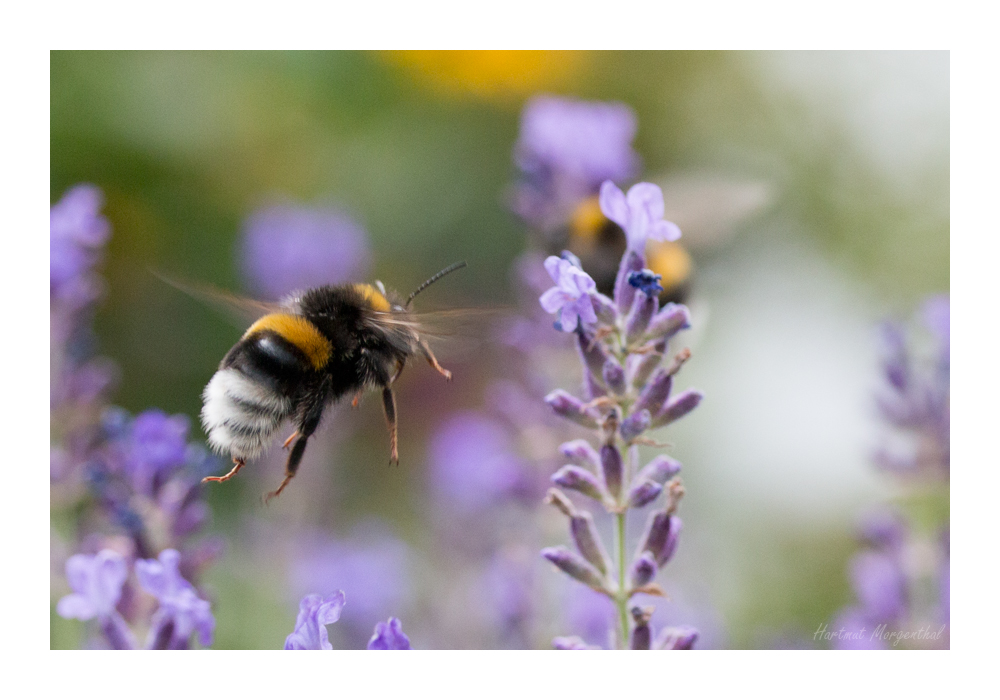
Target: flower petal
[[613, 204], [553, 300]]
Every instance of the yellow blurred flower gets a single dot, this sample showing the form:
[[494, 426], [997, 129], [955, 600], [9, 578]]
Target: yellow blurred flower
[[500, 76]]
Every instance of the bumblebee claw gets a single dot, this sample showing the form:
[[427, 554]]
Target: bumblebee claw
[[357, 398], [289, 440], [237, 465]]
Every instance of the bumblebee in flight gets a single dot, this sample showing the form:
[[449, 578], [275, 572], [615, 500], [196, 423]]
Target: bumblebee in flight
[[315, 348]]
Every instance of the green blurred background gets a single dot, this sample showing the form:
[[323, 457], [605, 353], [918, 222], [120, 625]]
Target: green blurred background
[[850, 148]]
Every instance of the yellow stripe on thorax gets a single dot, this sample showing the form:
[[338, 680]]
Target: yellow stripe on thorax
[[373, 296], [300, 333]]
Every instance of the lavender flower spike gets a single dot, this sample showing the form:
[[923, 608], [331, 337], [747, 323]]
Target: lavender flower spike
[[97, 581], [571, 295], [181, 611], [639, 213], [315, 612], [389, 636]]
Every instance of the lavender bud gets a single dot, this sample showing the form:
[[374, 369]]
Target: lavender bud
[[677, 638], [641, 366], [625, 292], [580, 453], [611, 467], [570, 407], [659, 469], [643, 494], [607, 312], [592, 354], [671, 319], [643, 308], [614, 376], [588, 542], [579, 479], [655, 394], [635, 425], [684, 403], [643, 570], [660, 538], [558, 499], [575, 566], [641, 633], [570, 644]]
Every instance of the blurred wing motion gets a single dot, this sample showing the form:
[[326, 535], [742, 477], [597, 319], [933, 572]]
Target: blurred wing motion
[[241, 311]]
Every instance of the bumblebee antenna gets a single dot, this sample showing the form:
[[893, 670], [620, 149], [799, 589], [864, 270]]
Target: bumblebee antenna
[[451, 268]]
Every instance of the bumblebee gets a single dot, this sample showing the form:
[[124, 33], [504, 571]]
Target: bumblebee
[[304, 355]]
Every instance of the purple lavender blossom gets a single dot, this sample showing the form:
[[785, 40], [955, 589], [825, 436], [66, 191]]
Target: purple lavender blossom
[[571, 295], [639, 213], [565, 150], [288, 247], [389, 636], [182, 612], [97, 581], [473, 464], [77, 232], [315, 613], [880, 584], [157, 446]]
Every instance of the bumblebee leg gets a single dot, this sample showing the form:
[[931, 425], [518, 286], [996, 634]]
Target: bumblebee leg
[[238, 464], [288, 442], [291, 466], [357, 398], [426, 350], [389, 402]]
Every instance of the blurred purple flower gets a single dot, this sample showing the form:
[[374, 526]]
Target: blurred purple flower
[[880, 585], [96, 580], [157, 446], [181, 610], [315, 612], [852, 629], [77, 231], [287, 247], [565, 150], [371, 565], [571, 644], [639, 213], [389, 636], [571, 295], [472, 463]]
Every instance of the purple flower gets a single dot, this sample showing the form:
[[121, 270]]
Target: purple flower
[[571, 295], [472, 463], [587, 141], [97, 581], [287, 247], [571, 644], [647, 281], [76, 233], [181, 611], [880, 585], [388, 636], [315, 612], [157, 446], [639, 213]]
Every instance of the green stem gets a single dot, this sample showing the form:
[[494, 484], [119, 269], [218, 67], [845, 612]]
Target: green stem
[[621, 597]]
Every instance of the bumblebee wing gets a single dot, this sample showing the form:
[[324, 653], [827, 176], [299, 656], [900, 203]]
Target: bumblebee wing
[[447, 323], [241, 311]]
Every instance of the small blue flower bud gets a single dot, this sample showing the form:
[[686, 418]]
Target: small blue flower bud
[[635, 425], [579, 479], [647, 281], [570, 407], [592, 355], [575, 566], [644, 493], [655, 394], [660, 469], [660, 538], [643, 309], [684, 403], [670, 320], [611, 466], [643, 570], [676, 638], [614, 376], [588, 542], [581, 453]]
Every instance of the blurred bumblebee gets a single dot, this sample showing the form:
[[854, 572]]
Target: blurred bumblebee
[[305, 354], [600, 244]]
